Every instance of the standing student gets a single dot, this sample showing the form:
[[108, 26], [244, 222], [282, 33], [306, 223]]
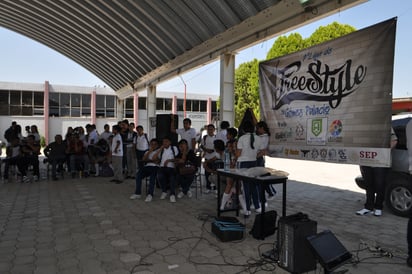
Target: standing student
[[117, 155], [375, 179], [248, 147], [142, 145], [187, 132], [207, 145], [262, 130]]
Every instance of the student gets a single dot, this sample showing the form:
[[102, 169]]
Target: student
[[56, 154], [262, 130], [117, 155], [148, 168], [142, 145], [185, 160], [375, 179], [166, 172], [207, 145], [187, 132], [248, 147]]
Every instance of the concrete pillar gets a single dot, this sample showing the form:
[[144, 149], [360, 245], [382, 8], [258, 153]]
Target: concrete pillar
[[209, 111], [93, 107], [136, 108], [151, 110], [46, 111], [174, 105], [227, 88]]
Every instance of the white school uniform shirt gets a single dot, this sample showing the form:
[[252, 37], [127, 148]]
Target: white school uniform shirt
[[222, 135], [188, 135], [248, 153], [208, 142], [119, 152], [264, 141], [150, 157], [93, 137], [142, 142], [168, 154]]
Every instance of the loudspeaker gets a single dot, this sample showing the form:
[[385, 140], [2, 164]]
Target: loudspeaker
[[269, 225], [163, 122], [328, 250], [295, 255]]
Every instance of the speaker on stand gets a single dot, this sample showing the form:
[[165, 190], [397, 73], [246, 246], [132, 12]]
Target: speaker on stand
[[163, 122]]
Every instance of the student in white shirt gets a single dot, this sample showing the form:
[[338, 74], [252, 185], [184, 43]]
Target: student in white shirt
[[248, 147], [187, 132]]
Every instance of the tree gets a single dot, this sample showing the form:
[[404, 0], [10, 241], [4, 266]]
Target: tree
[[247, 74], [246, 89]]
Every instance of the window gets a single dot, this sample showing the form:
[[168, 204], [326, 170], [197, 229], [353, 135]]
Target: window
[[168, 103], [75, 100], [105, 105], [15, 97], [38, 99], [188, 105], [203, 106], [159, 104], [179, 104], [86, 100], [128, 107], [195, 105], [27, 98], [54, 100], [142, 103]]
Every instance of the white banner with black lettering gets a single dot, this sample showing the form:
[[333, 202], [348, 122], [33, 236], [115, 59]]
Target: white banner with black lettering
[[332, 102]]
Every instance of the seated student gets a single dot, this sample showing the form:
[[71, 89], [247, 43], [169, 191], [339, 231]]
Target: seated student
[[148, 169], [215, 161], [166, 172], [79, 161], [13, 154], [30, 151], [186, 164], [56, 154], [99, 154]]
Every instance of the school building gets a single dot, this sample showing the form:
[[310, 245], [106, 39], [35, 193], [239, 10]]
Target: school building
[[53, 108]]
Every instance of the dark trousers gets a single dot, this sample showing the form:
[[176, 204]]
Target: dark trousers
[[146, 171], [166, 177], [375, 181], [251, 190], [185, 181]]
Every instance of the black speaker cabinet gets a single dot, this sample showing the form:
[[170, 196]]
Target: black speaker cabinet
[[328, 250], [295, 255], [163, 122], [269, 225]]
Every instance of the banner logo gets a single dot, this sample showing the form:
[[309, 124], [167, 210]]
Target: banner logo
[[316, 82]]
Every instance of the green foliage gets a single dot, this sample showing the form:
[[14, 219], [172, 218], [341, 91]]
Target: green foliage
[[247, 74], [286, 45], [329, 32], [42, 141], [246, 89]]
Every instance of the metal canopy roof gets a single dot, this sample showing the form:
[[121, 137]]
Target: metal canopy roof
[[132, 44]]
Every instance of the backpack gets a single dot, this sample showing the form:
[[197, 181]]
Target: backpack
[[106, 170]]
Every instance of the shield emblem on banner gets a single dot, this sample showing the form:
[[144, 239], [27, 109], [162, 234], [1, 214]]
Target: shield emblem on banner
[[316, 126]]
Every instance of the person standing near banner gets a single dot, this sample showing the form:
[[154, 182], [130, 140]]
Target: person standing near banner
[[375, 180]]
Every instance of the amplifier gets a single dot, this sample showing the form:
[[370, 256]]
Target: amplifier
[[295, 255]]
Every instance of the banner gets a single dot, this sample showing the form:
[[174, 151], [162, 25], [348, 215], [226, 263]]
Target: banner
[[332, 102]]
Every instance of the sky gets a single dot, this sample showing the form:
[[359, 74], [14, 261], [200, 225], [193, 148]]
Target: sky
[[25, 60]]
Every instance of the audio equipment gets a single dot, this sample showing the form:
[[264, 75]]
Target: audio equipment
[[295, 255], [163, 122]]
